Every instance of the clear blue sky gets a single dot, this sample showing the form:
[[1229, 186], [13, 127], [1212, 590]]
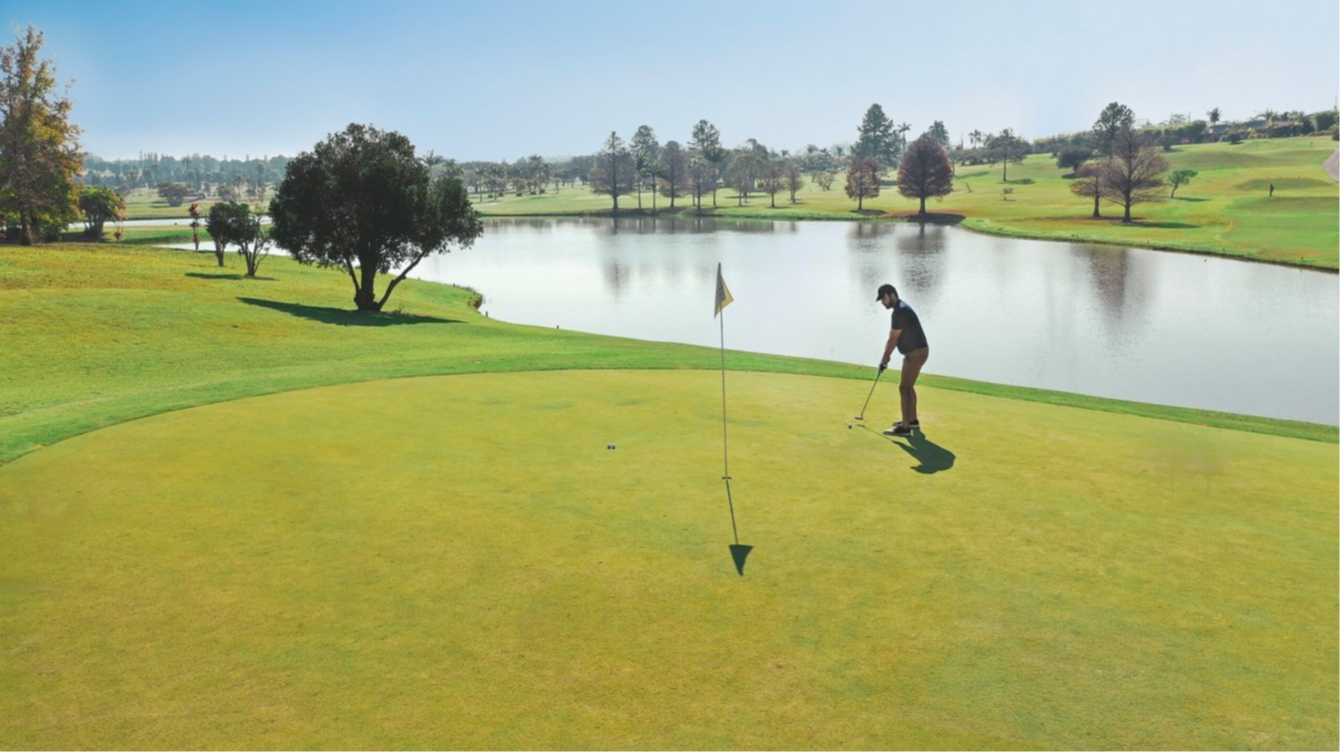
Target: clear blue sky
[[504, 79]]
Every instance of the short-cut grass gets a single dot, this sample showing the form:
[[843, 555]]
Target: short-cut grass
[[237, 514], [461, 563]]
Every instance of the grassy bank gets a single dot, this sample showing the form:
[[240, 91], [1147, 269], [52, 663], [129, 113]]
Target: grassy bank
[[1225, 210], [107, 333]]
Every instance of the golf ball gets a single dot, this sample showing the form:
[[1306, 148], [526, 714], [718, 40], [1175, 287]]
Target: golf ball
[[849, 426]]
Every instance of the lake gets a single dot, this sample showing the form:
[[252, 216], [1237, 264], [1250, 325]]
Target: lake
[[1156, 327]]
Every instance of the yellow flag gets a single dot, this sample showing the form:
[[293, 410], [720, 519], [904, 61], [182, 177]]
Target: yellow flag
[[723, 295]]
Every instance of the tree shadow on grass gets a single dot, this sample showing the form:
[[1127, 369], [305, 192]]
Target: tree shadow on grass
[[345, 317], [931, 457], [1163, 225], [225, 276]]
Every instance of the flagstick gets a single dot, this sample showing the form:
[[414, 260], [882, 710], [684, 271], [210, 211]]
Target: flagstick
[[726, 467]]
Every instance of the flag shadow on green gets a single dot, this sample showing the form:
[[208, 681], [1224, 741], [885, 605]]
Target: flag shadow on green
[[930, 457], [738, 554]]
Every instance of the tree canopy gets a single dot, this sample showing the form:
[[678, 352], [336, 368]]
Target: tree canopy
[[1113, 119], [925, 171], [876, 138], [99, 206], [362, 201], [232, 222], [1133, 174], [39, 147]]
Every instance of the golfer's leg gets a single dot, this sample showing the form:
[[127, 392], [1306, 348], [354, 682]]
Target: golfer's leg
[[912, 367]]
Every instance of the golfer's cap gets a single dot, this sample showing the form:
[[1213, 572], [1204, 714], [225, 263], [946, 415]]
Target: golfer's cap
[[885, 289]]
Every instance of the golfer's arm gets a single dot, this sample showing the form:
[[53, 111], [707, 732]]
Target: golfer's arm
[[890, 345]]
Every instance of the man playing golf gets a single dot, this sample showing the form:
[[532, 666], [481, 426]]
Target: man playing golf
[[905, 333]]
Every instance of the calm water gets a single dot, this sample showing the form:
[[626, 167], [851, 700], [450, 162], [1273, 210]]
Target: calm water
[[1141, 325]]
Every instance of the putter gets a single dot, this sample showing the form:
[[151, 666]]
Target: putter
[[862, 415]]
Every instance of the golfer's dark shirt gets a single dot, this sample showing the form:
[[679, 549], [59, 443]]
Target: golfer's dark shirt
[[904, 319]]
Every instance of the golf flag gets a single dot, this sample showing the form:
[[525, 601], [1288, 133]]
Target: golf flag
[[723, 295]]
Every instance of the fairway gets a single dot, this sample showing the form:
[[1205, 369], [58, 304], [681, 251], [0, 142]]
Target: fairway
[[459, 562]]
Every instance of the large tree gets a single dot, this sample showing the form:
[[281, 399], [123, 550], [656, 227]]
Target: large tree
[[925, 171], [615, 173], [706, 141], [360, 200], [39, 146], [673, 172], [876, 138], [1114, 118], [863, 179], [1134, 172]]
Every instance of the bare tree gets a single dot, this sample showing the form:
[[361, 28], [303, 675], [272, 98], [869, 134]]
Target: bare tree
[[1133, 174], [673, 171], [925, 171], [742, 174], [614, 172], [771, 178]]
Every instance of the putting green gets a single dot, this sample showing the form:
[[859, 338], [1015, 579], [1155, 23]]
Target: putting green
[[461, 563]]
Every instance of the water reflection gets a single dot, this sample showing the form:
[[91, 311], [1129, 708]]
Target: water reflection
[[922, 262], [1116, 322]]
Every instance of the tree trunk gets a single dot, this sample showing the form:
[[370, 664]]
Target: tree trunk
[[1126, 212], [27, 228], [1096, 214], [366, 299], [922, 210]]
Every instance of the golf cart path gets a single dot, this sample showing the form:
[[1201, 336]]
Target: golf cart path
[[1330, 165]]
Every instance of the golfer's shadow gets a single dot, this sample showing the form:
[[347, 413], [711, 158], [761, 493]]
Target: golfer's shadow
[[930, 457]]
